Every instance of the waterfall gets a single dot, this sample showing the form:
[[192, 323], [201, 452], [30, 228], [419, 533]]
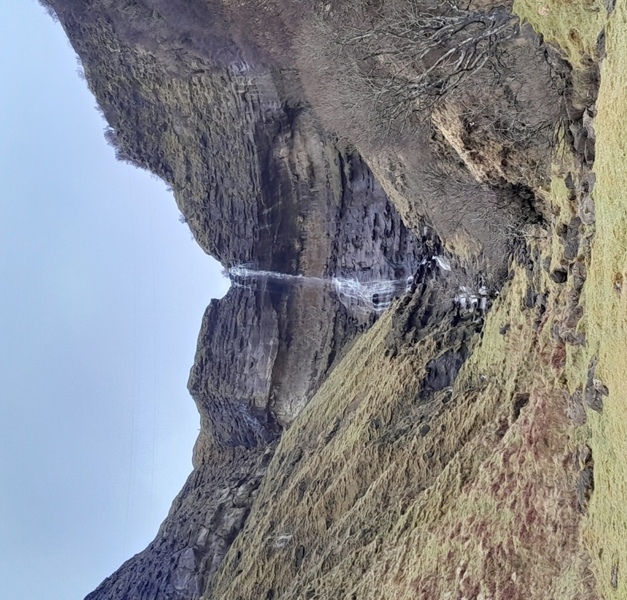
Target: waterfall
[[356, 295], [242, 272], [359, 294], [375, 295]]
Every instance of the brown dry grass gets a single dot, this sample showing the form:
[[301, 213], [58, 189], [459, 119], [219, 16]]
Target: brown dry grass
[[481, 506]]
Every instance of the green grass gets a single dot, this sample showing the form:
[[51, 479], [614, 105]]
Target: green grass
[[606, 315], [574, 25], [605, 294]]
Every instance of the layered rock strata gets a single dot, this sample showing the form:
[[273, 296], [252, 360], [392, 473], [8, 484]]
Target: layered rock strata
[[262, 186]]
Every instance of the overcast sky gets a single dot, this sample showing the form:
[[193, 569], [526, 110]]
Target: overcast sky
[[101, 297]]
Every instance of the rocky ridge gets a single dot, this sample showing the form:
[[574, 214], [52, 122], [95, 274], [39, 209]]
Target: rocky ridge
[[262, 185], [222, 115]]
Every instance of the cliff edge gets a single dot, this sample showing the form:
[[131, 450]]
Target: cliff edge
[[388, 392]]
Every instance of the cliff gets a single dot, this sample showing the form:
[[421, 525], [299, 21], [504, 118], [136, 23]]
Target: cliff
[[392, 368], [260, 185]]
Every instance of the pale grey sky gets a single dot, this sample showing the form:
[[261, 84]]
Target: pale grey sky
[[101, 296]]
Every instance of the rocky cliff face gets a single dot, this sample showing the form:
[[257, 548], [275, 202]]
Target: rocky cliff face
[[217, 100], [265, 189], [266, 347], [203, 521]]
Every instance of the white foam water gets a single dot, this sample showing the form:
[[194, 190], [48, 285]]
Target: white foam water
[[369, 296], [242, 272], [470, 301], [375, 295]]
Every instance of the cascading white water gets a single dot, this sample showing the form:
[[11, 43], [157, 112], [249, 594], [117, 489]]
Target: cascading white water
[[376, 295], [242, 272], [369, 296]]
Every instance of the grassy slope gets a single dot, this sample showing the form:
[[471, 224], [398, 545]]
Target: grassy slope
[[606, 315], [359, 503], [605, 321], [574, 25], [483, 506], [488, 511]]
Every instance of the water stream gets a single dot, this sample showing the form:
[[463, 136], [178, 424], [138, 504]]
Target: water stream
[[358, 295]]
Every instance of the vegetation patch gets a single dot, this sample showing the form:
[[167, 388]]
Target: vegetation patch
[[596, 369], [605, 324], [573, 25], [469, 491]]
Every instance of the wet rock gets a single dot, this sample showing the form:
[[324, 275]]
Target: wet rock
[[559, 275]]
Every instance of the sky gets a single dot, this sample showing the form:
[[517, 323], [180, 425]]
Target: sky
[[102, 292]]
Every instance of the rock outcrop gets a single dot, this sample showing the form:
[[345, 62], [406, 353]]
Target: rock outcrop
[[261, 185], [203, 521], [216, 99]]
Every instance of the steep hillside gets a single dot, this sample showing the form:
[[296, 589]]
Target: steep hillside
[[400, 480], [412, 389]]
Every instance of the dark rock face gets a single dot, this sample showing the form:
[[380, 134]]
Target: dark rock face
[[261, 185], [191, 543], [265, 348], [442, 371], [257, 179]]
